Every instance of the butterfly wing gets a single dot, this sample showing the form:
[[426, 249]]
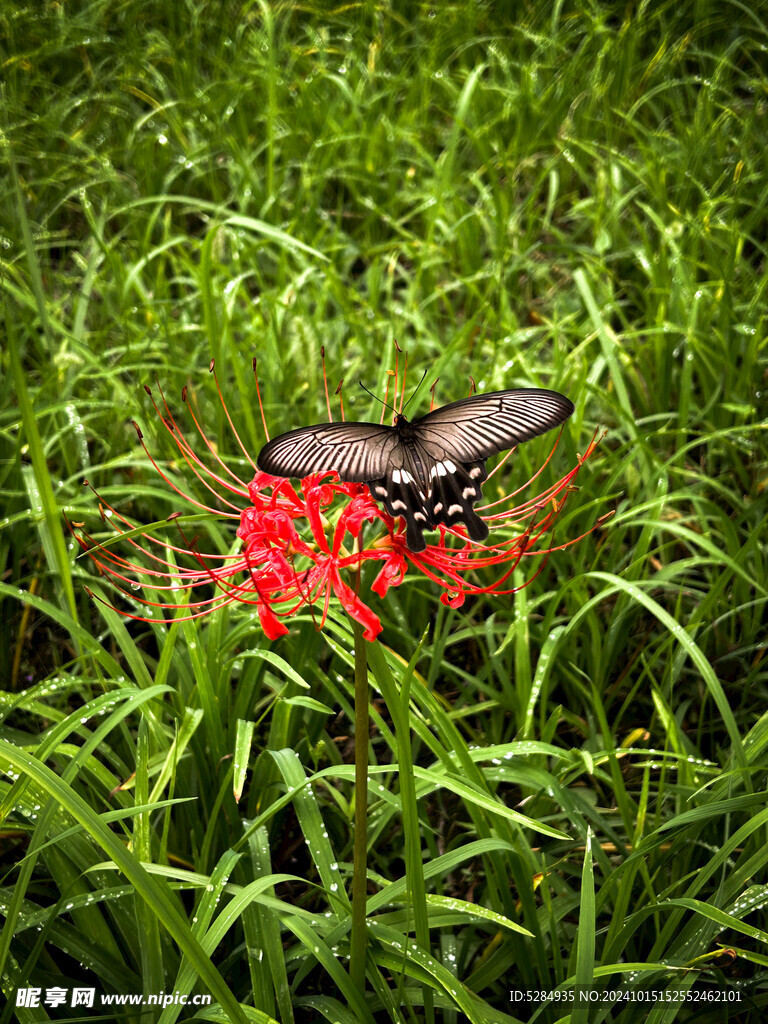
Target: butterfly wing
[[475, 428], [359, 452]]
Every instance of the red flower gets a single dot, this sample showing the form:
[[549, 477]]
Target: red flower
[[298, 545]]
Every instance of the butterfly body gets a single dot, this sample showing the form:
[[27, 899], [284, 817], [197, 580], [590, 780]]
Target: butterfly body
[[430, 471]]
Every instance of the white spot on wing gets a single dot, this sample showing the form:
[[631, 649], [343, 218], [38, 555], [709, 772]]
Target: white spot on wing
[[454, 510], [475, 472], [399, 504], [468, 492], [449, 466], [420, 516], [381, 490], [438, 507], [396, 477]]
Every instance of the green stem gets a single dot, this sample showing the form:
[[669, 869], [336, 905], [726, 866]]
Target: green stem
[[359, 938]]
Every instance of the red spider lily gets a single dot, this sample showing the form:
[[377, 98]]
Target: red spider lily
[[298, 545]]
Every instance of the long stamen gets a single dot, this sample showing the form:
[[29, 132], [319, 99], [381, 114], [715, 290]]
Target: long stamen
[[325, 382], [497, 467], [390, 375], [152, 618], [115, 515], [233, 591], [575, 540], [190, 455], [115, 565], [172, 485], [307, 598], [528, 482], [258, 395], [396, 388], [186, 448], [243, 449], [338, 392], [405, 374]]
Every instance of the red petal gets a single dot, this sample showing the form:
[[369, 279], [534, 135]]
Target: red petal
[[272, 626], [355, 607], [392, 574]]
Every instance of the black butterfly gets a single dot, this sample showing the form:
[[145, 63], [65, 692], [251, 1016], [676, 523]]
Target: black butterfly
[[429, 471]]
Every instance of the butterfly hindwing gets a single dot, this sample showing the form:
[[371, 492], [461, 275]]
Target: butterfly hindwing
[[403, 494], [427, 494], [454, 489]]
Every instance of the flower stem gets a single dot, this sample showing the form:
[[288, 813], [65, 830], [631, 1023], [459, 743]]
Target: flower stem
[[359, 937]]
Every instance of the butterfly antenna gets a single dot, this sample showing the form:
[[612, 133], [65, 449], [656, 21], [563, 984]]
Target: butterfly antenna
[[415, 392], [368, 391]]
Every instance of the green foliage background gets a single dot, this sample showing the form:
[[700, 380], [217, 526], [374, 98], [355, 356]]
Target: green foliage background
[[569, 196]]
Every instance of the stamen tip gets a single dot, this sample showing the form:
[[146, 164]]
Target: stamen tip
[[148, 389], [211, 366], [137, 428], [184, 394]]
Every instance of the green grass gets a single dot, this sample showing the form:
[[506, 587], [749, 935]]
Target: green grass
[[570, 197]]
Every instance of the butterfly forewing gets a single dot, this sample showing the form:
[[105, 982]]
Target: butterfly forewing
[[483, 425], [357, 451]]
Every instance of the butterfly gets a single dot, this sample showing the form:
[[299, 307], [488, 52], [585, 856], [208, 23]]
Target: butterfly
[[429, 471]]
